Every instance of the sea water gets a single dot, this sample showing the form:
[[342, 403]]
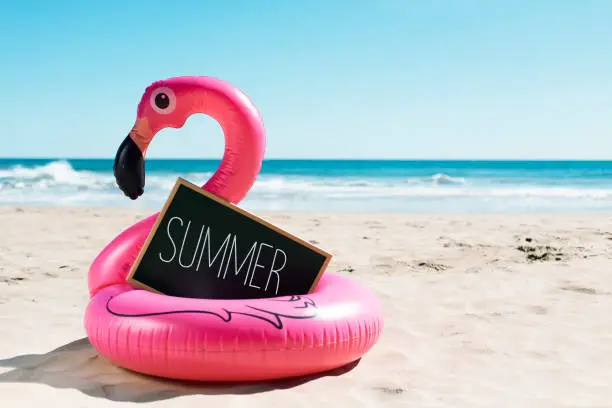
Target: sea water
[[331, 185]]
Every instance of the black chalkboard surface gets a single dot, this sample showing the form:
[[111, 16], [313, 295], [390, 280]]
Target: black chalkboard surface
[[202, 246]]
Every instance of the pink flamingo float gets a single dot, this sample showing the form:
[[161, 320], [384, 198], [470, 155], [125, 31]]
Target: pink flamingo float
[[206, 339]]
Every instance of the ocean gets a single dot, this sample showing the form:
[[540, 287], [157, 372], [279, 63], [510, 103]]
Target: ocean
[[331, 185]]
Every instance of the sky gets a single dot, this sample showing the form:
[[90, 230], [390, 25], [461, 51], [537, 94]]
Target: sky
[[388, 79]]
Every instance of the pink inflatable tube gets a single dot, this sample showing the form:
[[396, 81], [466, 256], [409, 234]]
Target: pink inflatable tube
[[205, 339]]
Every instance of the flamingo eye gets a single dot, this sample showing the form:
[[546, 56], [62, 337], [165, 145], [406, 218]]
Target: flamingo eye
[[163, 100]]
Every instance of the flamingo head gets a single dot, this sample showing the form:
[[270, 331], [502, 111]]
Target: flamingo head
[[158, 109], [169, 103]]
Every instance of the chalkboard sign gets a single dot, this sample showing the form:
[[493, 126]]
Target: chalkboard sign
[[202, 246]]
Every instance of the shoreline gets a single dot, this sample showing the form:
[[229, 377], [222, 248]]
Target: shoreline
[[340, 187], [459, 214]]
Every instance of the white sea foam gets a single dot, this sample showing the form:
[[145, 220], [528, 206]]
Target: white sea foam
[[58, 183]]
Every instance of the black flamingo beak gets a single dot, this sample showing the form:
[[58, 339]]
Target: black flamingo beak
[[129, 168]]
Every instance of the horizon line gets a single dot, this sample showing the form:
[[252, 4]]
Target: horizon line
[[317, 159]]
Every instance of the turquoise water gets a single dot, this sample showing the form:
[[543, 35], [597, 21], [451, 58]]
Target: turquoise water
[[331, 185]]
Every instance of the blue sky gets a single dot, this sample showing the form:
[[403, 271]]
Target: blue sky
[[332, 79]]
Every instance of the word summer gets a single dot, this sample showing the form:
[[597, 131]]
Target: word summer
[[226, 258]]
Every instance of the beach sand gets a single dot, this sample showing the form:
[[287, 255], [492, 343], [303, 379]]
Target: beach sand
[[481, 311]]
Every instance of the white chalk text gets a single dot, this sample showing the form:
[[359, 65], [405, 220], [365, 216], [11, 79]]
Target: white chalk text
[[224, 256]]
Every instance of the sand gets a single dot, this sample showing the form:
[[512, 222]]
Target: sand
[[481, 311]]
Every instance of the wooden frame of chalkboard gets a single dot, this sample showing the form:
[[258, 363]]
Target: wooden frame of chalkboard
[[182, 182]]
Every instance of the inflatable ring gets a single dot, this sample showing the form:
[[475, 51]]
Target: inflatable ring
[[206, 339]]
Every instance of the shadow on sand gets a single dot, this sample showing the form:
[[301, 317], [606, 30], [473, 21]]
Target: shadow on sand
[[77, 365]]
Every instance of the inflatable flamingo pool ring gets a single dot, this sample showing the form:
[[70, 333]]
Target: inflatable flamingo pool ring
[[206, 339]]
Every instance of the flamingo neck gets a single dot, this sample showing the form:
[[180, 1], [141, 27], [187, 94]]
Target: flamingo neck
[[244, 137]]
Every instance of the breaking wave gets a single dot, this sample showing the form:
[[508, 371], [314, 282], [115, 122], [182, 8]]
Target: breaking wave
[[58, 182]]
